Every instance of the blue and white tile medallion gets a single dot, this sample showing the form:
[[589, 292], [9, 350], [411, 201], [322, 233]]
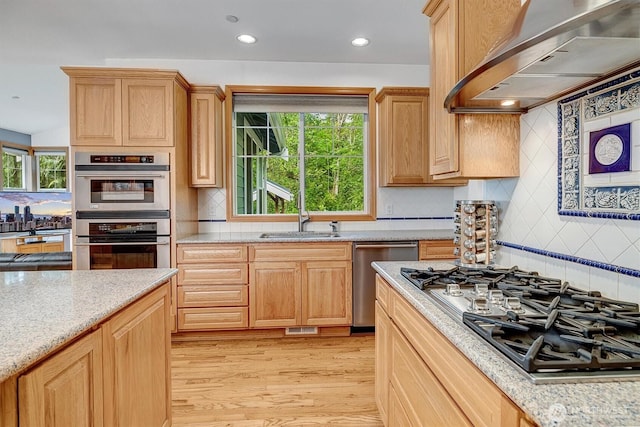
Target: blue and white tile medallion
[[616, 193]]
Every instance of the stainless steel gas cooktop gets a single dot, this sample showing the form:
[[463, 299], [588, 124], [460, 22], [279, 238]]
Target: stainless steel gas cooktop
[[547, 328]]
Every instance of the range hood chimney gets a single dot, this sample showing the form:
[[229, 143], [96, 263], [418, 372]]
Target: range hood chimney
[[556, 47]]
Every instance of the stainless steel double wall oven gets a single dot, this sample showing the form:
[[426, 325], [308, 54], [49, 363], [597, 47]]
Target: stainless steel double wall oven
[[122, 210]]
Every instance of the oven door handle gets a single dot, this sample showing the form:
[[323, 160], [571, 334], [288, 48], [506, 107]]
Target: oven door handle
[[123, 244], [118, 175]]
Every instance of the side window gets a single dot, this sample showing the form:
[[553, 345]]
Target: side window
[[14, 169], [51, 171]]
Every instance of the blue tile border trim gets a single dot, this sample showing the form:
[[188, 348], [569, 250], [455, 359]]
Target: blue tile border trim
[[597, 264], [399, 218], [413, 218]]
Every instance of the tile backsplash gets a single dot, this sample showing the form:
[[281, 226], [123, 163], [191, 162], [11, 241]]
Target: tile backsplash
[[581, 250], [397, 209]]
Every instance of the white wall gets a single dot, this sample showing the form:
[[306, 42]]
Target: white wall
[[52, 138], [411, 207]]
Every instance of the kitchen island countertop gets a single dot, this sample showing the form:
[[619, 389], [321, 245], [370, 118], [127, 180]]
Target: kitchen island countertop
[[40, 311], [612, 403], [349, 236]]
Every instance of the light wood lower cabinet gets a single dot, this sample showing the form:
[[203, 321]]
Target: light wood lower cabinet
[[300, 285], [436, 250], [429, 382], [137, 364], [66, 389], [117, 375], [213, 290]]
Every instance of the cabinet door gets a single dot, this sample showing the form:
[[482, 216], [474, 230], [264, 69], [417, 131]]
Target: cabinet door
[[137, 350], [412, 380], [436, 249], [274, 294], [147, 112], [326, 293], [443, 146], [66, 389], [404, 149], [383, 359], [206, 138], [95, 115], [397, 415]]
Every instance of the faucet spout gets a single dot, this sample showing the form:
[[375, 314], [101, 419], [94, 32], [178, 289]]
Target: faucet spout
[[302, 220], [303, 217]]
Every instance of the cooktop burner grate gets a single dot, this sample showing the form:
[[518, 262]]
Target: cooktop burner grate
[[541, 324]]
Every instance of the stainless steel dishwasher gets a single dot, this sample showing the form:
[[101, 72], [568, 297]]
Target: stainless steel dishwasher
[[364, 283]]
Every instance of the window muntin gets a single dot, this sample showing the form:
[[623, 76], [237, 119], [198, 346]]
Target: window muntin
[[331, 147]]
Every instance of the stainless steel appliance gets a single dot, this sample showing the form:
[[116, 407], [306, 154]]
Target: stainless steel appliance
[[550, 330], [122, 239], [115, 182], [364, 282]]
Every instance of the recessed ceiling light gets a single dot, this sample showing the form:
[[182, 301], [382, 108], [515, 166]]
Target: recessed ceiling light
[[247, 38], [507, 102], [231, 18], [360, 42]]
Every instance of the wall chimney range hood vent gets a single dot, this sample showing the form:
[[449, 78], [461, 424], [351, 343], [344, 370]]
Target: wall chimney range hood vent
[[556, 47]]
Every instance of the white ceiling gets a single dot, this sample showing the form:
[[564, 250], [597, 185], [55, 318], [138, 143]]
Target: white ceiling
[[39, 36]]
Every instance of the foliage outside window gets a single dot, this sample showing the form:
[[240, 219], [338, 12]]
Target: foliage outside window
[[51, 171], [14, 165], [33, 168], [304, 152]]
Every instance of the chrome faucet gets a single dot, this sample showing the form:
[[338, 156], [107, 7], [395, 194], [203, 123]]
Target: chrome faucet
[[302, 218]]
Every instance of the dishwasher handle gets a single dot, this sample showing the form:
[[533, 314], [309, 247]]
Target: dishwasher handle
[[385, 245]]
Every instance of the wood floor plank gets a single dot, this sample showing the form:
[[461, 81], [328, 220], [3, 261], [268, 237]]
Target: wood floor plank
[[290, 381]]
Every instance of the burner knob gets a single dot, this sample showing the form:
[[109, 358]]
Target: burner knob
[[480, 305], [481, 289]]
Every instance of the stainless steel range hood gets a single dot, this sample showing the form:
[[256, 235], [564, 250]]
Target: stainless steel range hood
[[555, 47]]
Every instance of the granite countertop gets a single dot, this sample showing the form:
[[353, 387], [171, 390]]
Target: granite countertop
[[348, 236], [613, 403], [40, 311]]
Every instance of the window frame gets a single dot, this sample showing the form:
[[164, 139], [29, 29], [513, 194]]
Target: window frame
[[31, 169], [38, 151], [369, 213], [17, 149]]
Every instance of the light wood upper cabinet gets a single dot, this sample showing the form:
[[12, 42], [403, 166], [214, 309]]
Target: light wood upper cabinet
[[120, 107], [66, 389], [404, 136], [468, 145], [206, 136]]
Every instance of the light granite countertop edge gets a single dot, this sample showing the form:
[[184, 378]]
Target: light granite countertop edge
[[33, 353]]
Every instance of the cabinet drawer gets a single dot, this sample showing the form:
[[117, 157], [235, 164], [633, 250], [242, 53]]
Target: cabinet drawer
[[200, 319], [436, 249], [211, 253], [412, 380], [311, 251], [456, 373], [213, 295], [382, 293], [217, 274]]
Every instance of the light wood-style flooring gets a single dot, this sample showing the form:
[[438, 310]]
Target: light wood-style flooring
[[290, 381]]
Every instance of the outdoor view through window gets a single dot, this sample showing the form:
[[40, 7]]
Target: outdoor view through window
[[309, 154]]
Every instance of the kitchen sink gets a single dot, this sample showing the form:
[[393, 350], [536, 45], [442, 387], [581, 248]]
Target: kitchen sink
[[298, 235]]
